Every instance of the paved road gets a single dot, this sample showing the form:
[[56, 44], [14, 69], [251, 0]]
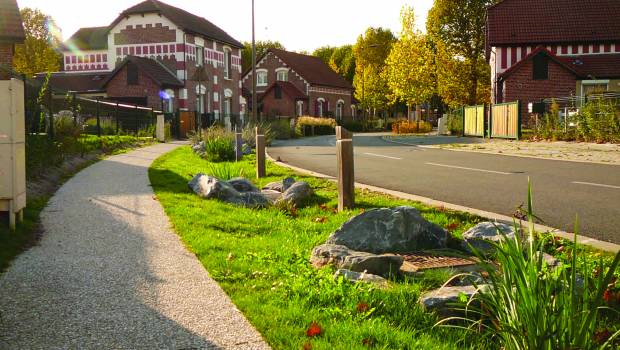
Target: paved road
[[109, 273], [488, 182]]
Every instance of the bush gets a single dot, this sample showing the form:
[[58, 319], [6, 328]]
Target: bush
[[225, 171], [311, 126], [281, 129], [407, 127], [219, 149]]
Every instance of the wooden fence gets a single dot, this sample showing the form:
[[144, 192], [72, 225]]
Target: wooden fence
[[473, 121], [505, 121]]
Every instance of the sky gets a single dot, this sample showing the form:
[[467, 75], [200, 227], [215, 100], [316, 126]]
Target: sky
[[300, 25]]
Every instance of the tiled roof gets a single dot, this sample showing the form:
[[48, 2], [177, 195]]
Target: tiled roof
[[287, 88], [75, 82], [312, 69], [515, 22], [155, 70], [188, 21], [11, 28], [603, 66], [92, 38]]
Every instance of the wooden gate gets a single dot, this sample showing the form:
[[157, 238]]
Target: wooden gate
[[505, 121], [188, 123], [473, 121]]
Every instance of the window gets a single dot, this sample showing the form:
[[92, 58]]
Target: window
[[227, 107], [277, 90], [339, 109], [589, 87], [227, 64], [319, 107], [200, 56], [169, 105], [282, 75], [541, 67], [300, 108], [132, 74], [261, 78], [200, 104]]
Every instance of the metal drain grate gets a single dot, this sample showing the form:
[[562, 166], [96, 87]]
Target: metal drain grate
[[421, 261]]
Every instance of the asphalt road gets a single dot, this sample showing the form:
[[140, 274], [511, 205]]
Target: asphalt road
[[495, 183]]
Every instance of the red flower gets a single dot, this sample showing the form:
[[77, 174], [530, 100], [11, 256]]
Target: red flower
[[362, 307], [453, 226], [313, 330], [607, 295]]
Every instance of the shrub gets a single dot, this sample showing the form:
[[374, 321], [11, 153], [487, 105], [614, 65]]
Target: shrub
[[219, 149], [225, 171], [455, 123], [407, 127], [310, 126], [281, 129], [529, 305]]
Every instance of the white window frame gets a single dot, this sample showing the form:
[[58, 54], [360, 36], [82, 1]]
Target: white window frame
[[262, 73], [339, 109], [320, 100], [200, 56], [284, 76], [300, 108], [227, 63]]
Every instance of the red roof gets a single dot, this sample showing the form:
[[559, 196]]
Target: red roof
[[91, 38], [75, 82], [516, 22], [11, 28], [312, 69], [159, 73]]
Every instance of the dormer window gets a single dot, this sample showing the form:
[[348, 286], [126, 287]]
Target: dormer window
[[541, 67]]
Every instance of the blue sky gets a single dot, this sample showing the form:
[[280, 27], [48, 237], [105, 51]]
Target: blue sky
[[298, 24]]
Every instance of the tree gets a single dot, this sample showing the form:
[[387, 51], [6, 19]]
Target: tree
[[261, 48], [370, 52], [324, 53], [37, 53], [343, 62], [409, 66], [457, 27]]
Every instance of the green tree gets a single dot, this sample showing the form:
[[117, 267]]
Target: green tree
[[457, 28], [261, 48], [343, 62], [370, 52], [38, 52], [324, 53], [409, 66]]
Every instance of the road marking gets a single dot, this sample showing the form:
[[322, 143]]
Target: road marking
[[472, 169], [382, 156], [595, 184]]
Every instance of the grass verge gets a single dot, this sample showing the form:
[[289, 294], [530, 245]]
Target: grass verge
[[261, 259]]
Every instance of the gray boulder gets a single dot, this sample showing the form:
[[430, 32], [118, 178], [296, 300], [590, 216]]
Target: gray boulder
[[390, 230], [480, 235], [272, 196], [280, 186], [344, 258], [442, 299], [251, 200], [210, 187], [243, 185], [361, 277], [298, 193]]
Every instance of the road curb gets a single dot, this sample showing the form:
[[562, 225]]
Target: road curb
[[595, 243], [386, 139]]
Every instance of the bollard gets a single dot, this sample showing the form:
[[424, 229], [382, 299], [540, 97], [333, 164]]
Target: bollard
[[346, 174], [238, 145], [160, 128], [343, 134], [260, 155]]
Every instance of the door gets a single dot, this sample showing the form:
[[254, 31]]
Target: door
[[188, 122]]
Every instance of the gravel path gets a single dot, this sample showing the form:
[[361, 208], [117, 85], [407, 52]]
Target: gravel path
[[109, 273]]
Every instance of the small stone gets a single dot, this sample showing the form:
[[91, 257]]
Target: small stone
[[480, 235], [343, 257], [441, 299], [212, 188], [354, 276], [280, 186], [390, 230]]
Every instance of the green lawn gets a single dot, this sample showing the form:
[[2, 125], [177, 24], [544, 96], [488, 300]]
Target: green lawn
[[261, 259]]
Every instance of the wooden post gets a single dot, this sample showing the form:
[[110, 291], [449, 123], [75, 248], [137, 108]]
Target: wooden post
[[238, 144], [346, 175], [98, 119], [343, 134], [260, 155]]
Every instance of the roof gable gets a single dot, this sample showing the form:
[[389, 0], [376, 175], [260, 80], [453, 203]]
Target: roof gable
[[516, 22], [288, 88], [183, 19], [91, 38], [312, 69], [539, 49], [11, 27], [152, 68]]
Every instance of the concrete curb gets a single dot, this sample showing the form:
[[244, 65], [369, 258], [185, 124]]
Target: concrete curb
[[386, 139], [595, 243]]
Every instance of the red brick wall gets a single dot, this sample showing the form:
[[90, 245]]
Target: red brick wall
[[117, 87], [6, 59], [520, 85], [271, 63], [145, 34], [285, 106], [333, 100]]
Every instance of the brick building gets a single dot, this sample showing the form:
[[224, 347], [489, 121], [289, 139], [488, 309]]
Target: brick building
[[552, 48], [11, 33], [290, 84], [158, 55]]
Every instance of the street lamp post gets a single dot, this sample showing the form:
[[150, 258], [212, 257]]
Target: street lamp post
[[254, 106]]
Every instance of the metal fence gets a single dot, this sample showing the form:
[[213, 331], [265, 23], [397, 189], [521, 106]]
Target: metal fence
[[46, 105]]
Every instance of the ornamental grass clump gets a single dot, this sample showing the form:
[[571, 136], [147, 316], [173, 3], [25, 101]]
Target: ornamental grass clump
[[529, 305], [407, 127], [225, 171], [311, 126]]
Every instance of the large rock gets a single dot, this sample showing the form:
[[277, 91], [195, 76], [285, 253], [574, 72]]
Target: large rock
[[480, 235], [298, 193], [390, 230], [442, 299], [345, 258], [243, 185], [272, 196], [361, 277], [212, 188], [280, 186]]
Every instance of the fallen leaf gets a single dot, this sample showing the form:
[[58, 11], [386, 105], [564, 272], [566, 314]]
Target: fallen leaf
[[452, 226], [362, 307], [313, 330], [320, 219], [307, 346]]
